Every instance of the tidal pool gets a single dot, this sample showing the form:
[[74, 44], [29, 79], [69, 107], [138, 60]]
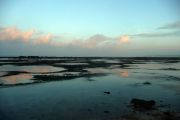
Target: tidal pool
[[73, 63], [16, 79], [22, 78], [32, 69]]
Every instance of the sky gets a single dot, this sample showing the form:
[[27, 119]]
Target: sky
[[90, 27]]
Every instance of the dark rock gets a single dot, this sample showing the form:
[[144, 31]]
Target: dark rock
[[89, 110], [107, 92], [106, 111], [9, 73], [139, 104], [146, 83]]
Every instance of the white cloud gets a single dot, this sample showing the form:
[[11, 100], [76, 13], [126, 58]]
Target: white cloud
[[124, 39], [13, 33], [33, 37]]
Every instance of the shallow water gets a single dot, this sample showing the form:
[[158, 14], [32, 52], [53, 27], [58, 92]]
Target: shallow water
[[67, 100], [106, 60], [33, 69], [73, 63], [16, 79], [24, 78], [84, 98]]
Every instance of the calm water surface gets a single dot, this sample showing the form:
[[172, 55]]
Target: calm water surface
[[84, 98]]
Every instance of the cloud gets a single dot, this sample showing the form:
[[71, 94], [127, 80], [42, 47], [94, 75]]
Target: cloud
[[45, 39], [13, 33], [158, 34], [36, 38], [91, 42], [175, 25], [31, 36], [95, 41], [124, 39], [100, 41], [172, 30]]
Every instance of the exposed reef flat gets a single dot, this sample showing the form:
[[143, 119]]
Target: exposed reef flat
[[48, 68]]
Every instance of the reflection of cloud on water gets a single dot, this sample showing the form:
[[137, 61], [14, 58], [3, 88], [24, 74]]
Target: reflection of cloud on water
[[33, 69], [124, 73], [39, 69], [14, 79], [42, 69]]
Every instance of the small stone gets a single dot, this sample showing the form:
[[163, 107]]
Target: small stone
[[146, 83], [107, 92], [106, 111], [89, 110], [139, 104]]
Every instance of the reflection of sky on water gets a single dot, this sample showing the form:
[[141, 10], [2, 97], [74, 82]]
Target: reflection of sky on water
[[98, 70], [172, 86], [34, 69], [66, 73], [124, 73], [106, 60], [70, 99], [69, 63], [120, 72], [15, 79], [2, 73], [156, 65], [24, 78], [144, 72]]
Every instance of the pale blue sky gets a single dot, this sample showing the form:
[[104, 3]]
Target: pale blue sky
[[85, 18]]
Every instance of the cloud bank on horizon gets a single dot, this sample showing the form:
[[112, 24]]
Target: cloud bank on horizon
[[96, 42], [34, 37]]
